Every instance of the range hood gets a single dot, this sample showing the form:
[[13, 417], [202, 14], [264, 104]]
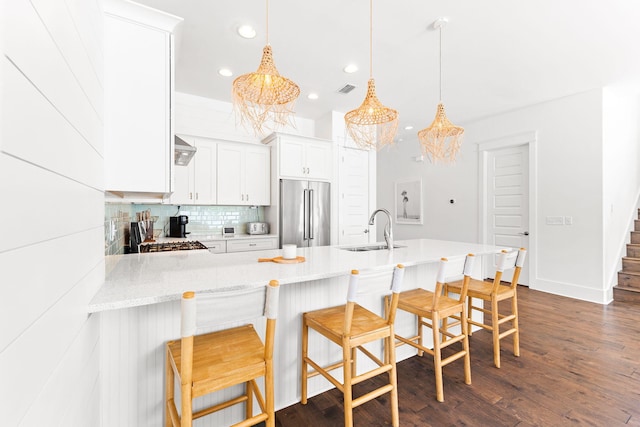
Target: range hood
[[183, 152]]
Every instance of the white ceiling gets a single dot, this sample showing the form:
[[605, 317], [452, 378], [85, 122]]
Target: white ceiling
[[498, 55]]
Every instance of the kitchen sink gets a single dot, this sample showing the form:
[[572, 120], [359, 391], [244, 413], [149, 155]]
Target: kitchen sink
[[370, 248]]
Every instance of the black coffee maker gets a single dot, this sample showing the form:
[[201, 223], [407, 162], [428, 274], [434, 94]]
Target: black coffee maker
[[178, 226]]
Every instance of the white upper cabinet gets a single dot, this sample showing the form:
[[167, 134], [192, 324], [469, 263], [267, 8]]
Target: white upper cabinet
[[244, 174], [138, 91], [303, 158], [195, 184]]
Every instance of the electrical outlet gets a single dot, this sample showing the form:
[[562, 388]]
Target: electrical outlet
[[568, 220]]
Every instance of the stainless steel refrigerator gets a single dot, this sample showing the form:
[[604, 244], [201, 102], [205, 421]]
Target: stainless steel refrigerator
[[305, 210]]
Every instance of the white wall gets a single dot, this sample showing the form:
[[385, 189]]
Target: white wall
[[51, 181], [210, 118], [569, 167], [621, 157]]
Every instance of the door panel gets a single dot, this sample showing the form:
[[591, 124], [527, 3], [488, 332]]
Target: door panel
[[508, 201], [292, 211], [320, 207], [354, 209]]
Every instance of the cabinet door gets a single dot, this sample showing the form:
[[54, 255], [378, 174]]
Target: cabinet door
[[246, 245], [230, 185], [318, 160], [183, 185], [292, 158], [257, 176], [137, 69], [205, 176]]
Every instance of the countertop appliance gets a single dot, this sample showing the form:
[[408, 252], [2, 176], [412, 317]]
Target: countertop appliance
[[257, 228], [305, 209], [178, 226], [229, 231]]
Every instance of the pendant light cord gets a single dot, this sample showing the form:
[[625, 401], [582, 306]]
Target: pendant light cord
[[267, 16], [370, 39], [440, 63]]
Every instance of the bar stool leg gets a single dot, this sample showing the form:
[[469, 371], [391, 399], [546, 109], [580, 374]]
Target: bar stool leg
[[348, 391], [305, 354], [437, 358], [465, 344], [390, 356], [516, 335], [169, 385], [496, 331]]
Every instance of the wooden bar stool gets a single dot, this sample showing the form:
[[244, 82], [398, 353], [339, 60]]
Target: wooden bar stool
[[432, 309], [217, 360], [494, 292], [351, 326]]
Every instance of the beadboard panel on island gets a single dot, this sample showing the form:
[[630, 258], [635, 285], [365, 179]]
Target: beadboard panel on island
[[51, 177]]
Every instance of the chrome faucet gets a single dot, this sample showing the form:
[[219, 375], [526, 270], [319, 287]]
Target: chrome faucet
[[388, 231]]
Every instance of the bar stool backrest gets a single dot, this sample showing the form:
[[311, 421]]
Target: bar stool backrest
[[211, 310]]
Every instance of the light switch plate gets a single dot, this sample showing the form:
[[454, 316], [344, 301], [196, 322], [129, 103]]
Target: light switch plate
[[568, 220], [555, 220]]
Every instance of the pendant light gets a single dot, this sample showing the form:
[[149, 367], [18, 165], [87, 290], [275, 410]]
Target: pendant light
[[372, 124], [264, 99], [441, 141]]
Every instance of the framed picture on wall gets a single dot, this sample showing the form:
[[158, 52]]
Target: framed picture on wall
[[408, 202]]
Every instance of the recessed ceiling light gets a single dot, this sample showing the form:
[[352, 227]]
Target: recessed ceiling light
[[312, 96], [225, 72], [408, 127], [351, 68], [246, 31]]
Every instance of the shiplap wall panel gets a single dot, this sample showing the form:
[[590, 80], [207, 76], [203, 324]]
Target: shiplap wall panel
[[51, 259], [35, 53], [54, 143], [68, 206], [87, 18], [54, 274], [75, 369], [63, 30], [38, 351]]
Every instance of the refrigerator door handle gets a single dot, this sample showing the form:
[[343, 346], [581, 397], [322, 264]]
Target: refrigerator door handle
[[310, 214], [305, 214]]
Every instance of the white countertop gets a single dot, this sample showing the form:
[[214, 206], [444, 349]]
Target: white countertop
[[140, 279]]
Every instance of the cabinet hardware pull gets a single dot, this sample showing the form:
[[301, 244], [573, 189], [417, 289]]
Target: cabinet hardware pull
[[197, 195], [190, 196]]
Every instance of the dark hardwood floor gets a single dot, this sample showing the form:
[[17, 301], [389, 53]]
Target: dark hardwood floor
[[579, 365]]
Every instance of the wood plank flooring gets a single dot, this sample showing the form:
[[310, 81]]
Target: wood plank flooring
[[579, 365]]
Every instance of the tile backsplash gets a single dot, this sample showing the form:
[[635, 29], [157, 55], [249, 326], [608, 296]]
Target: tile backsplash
[[202, 220]]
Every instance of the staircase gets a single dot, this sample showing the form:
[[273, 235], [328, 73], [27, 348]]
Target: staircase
[[628, 288]]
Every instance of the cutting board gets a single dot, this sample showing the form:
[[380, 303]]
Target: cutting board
[[281, 260]]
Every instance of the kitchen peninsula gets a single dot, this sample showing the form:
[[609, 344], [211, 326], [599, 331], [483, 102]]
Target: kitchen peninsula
[[139, 310]]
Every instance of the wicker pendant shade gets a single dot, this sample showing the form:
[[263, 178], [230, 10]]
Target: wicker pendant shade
[[441, 141], [372, 124], [264, 99]]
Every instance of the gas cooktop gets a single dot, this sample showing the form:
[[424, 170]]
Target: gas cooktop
[[172, 246]]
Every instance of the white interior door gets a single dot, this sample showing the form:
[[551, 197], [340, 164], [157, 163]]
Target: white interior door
[[508, 202], [353, 206]]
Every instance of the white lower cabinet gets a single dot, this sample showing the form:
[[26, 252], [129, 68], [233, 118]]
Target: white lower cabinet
[[195, 184], [216, 247], [244, 174], [246, 245]]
